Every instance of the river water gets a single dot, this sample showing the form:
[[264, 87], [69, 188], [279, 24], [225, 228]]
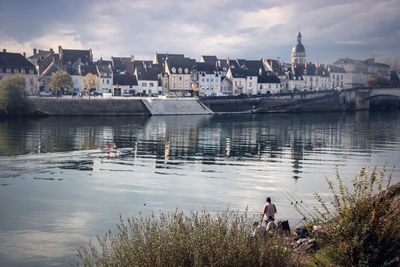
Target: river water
[[59, 189]]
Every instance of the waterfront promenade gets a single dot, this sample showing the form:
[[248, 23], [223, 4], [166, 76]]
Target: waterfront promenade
[[330, 100]]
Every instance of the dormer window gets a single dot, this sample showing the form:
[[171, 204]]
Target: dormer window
[[16, 71], [180, 70], [173, 70], [186, 70]]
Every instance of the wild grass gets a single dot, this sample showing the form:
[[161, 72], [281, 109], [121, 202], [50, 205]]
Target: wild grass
[[196, 239], [362, 222]]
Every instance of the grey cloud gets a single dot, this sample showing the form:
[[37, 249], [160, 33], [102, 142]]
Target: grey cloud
[[330, 29]]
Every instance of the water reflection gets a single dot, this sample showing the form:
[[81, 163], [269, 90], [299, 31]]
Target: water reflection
[[203, 138]]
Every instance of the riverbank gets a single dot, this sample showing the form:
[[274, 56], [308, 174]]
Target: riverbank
[[319, 101]]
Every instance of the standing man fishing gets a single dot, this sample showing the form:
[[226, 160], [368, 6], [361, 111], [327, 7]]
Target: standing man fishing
[[269, 210]]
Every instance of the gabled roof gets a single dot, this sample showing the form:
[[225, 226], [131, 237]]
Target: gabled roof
[[53, 67], [45, 62], [124, 79], [205, 67], [242, 73], [15, 60], [160, 58], [89, 69], [209, 59], [274, 65], [268, 78], [146, 74], [70, 56], [180, 63], [41, 55], [119, 64]]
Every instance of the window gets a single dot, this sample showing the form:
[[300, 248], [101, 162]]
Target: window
[[180, 70], [207, 80], [212, 79], [173, 70], [16, 71], [151, 84], [174, 78], [173, 85], [108, 81], [341, 76], [186, 70], [180, 78], [235, 83], [8, 70], [23, 71], [269, 86], [144, 84], [31, 72], [202, 80], [333, 76], [250, 84], [32, 81]]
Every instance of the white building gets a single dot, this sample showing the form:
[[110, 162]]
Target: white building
[[208, 79], [268, 83]]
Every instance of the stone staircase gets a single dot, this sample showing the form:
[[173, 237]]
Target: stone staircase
[[176, 106]]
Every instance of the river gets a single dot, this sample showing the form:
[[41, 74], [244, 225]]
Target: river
[[59, 189]]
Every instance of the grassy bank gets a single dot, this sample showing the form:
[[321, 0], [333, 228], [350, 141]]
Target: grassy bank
[[360, 228]]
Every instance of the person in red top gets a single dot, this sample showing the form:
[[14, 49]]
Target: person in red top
[[115, 146], [108, 147], [269, 210]]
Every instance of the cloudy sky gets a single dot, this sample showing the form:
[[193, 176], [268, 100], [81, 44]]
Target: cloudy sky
[[226, 28]]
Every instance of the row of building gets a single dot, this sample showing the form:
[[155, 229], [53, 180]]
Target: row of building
[[177, 74]]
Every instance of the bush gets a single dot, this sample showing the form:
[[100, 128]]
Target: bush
[[175, 239], [363, 223], [13, 98]]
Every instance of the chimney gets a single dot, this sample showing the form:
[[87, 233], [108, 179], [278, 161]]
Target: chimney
[[24, 54], [4, 50], [228, 61], [51, 50], [317, 64], [132, 58], [293, 67], [34, 51]]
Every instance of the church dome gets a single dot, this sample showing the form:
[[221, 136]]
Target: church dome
[[298, 48]]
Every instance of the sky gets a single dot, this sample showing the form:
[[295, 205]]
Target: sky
[[226, 28]]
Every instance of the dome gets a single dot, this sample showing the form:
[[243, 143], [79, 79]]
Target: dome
[[298, 48]]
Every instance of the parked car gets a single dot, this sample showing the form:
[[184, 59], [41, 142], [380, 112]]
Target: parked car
[[46, 93], [243, 94], [127, 94], [141, 94], [187, 94], [171, 94], [96, 93], [154, 94]]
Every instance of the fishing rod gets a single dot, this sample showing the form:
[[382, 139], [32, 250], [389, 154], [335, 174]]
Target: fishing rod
[[296, 204], [302, 204]]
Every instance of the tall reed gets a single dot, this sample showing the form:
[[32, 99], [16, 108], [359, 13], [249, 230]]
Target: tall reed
[[196, 239], [362, 221]]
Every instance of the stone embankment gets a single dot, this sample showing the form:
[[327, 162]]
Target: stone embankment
[[95, 106], [174, 106], [326, 101]]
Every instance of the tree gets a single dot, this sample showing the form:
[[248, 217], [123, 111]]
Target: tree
[[377, 81], [61, 81], [91, 81], [13, 98]]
